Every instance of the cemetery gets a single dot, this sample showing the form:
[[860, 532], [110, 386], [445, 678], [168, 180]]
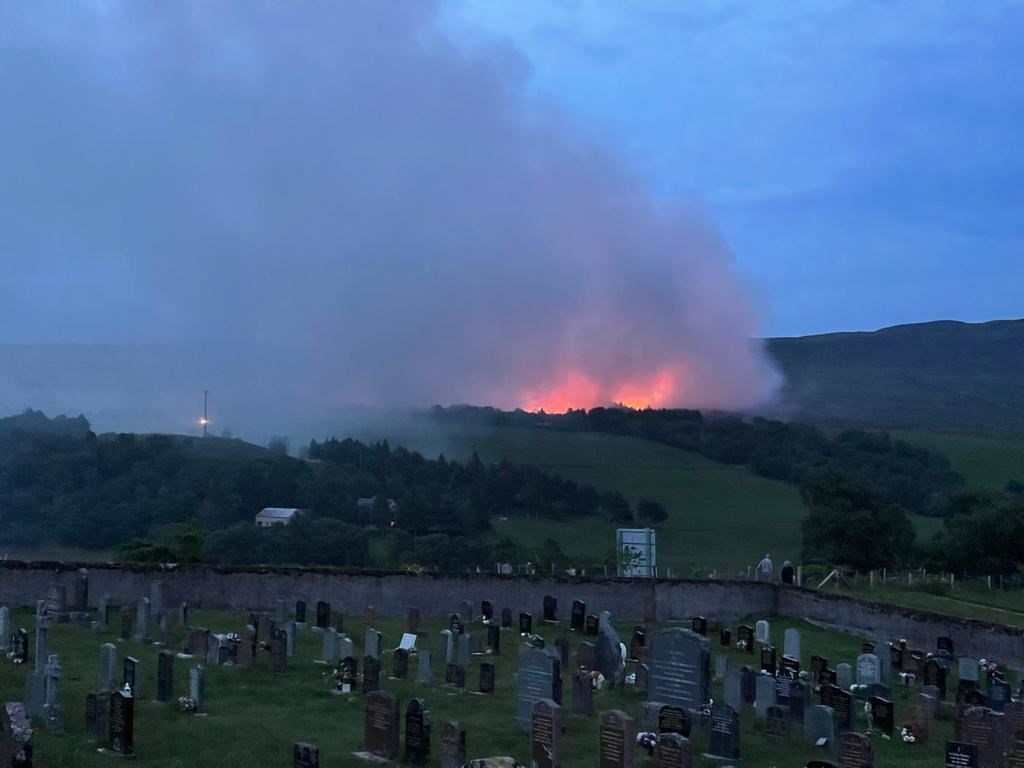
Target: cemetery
[[553, 682]]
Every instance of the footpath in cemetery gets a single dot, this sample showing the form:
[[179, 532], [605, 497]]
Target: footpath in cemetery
[[85, 681]]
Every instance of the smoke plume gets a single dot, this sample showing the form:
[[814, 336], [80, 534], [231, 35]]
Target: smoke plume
[[363, 211]]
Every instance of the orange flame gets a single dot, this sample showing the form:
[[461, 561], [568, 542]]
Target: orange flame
[[578, 389]]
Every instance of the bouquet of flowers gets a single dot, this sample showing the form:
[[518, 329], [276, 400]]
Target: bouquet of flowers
[[14, 657], [187, 704], [647, 740], [908, 733]]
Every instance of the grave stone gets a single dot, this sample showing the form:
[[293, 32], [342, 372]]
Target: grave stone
[[464, 650], [790, 664], [372, 640], [590, 626], [197, 687], [126, 623], [769, 662], [412, 622], [525, 624], [506, 618], [699, 624], [725, 637], [935, 673], [1015, 749], [546, 734], [453, 745], [122, 723], [844, 675], [300, 612], [417, 733], [867, 669], [455, 625], [776, 722], [896, 657], [819, 724], [550, 609], [797, 700], [679, 668], [371, 674], [349, 674], [721, 665], [380, 731], [818, 665], [305, 755], [487, 678], [582, 693], [165, 676], [913, 662], [982, 727], [198, 642], [724, 741], [638, 645], [999, 694], [400, 664], [732, 688], [466, 609], [883, 716], [607, 653], [535, 681], [967, 669], [764, 696], [97, 715], [748, 684], [455, 676], [745, 636], [961, 755], [329, 645], [108, 666], [578, 616], [922, 712], [486, 610], [827, 677], [673, 751], [447, 648], [841, 703], [142, 619], [791, 643], [52, 711], [762, 631], [345, 646], [132, 677], [616, 740], [213, 644], [944, 645], [783, 685], [246, 646], [674, 720], [855, 751], [279, 651], [585, 655], [423, 667], [323, 614]]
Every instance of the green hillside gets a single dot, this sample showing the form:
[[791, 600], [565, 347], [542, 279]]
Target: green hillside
[[941, 375], [985, 462], [719, 516]]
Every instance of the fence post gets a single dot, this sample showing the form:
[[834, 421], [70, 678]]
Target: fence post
[[910, 578], [951, 577], [989, 579], [799, 575], [885, 575], [871, 578]]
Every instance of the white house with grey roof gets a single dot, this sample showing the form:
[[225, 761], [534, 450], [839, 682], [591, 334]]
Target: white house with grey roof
[[276, 516]]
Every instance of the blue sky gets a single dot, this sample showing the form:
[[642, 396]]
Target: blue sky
[[862, 159]]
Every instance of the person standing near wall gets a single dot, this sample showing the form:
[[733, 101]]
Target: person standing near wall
[[765, 569], [787, 573]]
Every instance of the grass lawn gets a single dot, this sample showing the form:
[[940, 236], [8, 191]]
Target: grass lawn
[[985, 462], [996, 606], [720, 516], [254, 716]]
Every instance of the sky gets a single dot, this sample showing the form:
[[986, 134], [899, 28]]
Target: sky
[[534, 204], [861, 158]]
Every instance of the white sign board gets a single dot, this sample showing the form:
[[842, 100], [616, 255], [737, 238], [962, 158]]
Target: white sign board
[[636, 550]]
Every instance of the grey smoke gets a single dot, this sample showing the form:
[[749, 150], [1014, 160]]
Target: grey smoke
[[318, 204]]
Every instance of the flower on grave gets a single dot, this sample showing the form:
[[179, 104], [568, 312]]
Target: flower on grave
[[597, 680], [127, 690], [907, 678], [186, 704], [908, 733], [233, 637], [647, 740], [630, 679], [741, 644]]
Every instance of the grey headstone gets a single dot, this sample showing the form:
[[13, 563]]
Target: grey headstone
[[679, 668], [197, 687], [733, 690], [464, 650], [724, 740], [721, 666], [423, 669], [447, 649], [329, 645], [762, 632], [371, 643], [764, 695], [108, 667], [844, 676], [142, 620], [535, 681], [791, 643], [868, 671], [968, 668], [345, 648], [820, 723]]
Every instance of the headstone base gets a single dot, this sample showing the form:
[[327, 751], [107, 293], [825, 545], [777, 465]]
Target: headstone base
[[372, 758]]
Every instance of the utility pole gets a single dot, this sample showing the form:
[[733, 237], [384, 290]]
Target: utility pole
[[206, 402]]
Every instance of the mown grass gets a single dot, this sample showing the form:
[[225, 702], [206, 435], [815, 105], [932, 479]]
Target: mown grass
[[995, 606], [254, 716]]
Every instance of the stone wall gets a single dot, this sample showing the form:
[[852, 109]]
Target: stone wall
[[393, 593]]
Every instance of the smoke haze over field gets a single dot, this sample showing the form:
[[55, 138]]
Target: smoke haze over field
[[339, 202]]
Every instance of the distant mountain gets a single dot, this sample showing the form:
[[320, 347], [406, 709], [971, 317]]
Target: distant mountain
[[939, 375]]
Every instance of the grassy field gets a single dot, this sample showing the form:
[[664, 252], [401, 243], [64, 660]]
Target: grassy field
[[996, 606], [254, 716], [720, 516], [985, 462]]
